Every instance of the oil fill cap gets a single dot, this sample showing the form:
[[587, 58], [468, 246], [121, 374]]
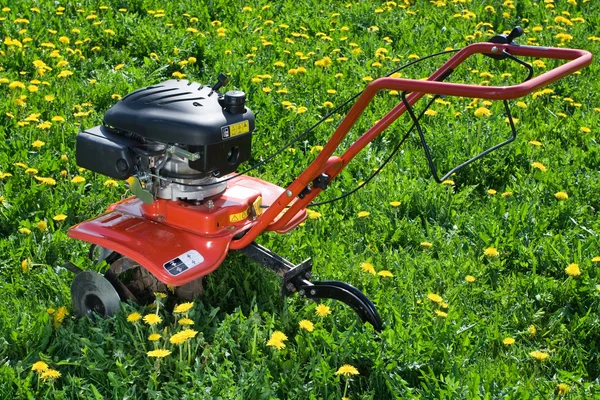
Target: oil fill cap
[[235, 101]]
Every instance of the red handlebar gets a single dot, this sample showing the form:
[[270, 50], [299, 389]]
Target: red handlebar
[[326, 164], [579, 59]]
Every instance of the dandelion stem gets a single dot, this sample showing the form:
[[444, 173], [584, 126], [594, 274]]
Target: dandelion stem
[[345, 388], [189, 348]]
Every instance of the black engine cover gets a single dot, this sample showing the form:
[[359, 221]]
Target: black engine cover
[[179, 111]]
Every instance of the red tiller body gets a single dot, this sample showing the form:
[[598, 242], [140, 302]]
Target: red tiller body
[[154, 234]]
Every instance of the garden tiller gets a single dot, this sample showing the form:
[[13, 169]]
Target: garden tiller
[[179, 143]]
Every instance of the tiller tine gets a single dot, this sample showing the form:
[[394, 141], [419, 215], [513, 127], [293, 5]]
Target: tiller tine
[[296, 279], [348, 295]]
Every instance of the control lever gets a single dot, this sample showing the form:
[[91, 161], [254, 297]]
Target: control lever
[[221, 81], [506, 39]]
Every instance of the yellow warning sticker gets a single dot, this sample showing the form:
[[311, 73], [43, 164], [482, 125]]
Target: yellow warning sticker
[[239, 216], [257, 206], [239, 129]]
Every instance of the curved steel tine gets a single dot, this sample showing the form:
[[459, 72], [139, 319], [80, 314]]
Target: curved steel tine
[[348, 295]]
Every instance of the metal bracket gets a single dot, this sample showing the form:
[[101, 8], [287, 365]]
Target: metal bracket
[[296, 278], [293, 275]]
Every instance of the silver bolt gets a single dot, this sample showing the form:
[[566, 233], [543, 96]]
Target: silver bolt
[[301, 292], [494, 49], [313, 292], [289, 193], [290, 286], [210, 204], [308, 275]]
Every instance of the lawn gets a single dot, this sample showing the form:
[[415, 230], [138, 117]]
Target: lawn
[[488, 284]]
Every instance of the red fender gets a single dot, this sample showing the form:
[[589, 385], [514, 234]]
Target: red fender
[[178, 241]]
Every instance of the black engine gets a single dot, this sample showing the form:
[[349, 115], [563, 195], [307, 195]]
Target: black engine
[[175, 137]]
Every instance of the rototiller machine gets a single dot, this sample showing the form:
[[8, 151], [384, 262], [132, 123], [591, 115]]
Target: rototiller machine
[[179, 143]]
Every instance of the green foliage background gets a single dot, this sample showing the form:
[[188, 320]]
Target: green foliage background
[[419, 354]]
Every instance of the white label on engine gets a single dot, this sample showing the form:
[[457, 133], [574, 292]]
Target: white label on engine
[[182, 263]]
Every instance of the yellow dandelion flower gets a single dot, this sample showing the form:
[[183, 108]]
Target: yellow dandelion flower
[[368, 267], [508, 341], [347, 370], [159, 353], [482, 112], [275, 343], [426, 245], [448, 182], [185, 322], [152, 319], [183, 307], [532, 330], [189, 333], [279, 336], [561, 196], [160, 295], [539, 355], [25, 231], [491, 192], [596, 259], [31, 171], [59, 217], [134, 317], [395, 203], [16, 85], [470, 278], [384, 273], [306, 325], [507, 194], [111, 183], [177, 338], [154, 337], [65, 73], [441, 314], [37, 144], [39, 366], [539, 166], [491, 252], [435, 298], [431, 113], [78, 179], [562, 389], [535, 143], [50, 374], [301, 110], [25, 265], [59, 316], [42, 226], [322, 310], [362, 214], [313, 214], [573, 270]]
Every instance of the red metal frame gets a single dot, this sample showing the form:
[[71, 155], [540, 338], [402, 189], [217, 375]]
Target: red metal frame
[[331, 166], [164, 230]]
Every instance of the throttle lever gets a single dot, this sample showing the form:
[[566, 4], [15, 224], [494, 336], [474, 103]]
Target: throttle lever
[[506, 39]]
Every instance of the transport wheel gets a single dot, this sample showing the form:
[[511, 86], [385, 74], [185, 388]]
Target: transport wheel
[[93, 294]]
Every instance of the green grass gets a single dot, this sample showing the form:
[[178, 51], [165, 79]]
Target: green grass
[[419, 354]]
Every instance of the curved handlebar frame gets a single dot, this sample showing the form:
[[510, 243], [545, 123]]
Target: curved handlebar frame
[[325, 163]]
